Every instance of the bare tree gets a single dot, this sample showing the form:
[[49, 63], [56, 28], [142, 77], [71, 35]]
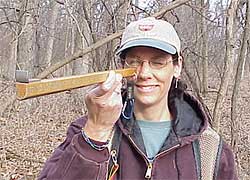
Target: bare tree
[[12, 14], [76, 36], [27, 44], [53, 13], [235, 123], [204, 50], [100, 43], [230, 41]]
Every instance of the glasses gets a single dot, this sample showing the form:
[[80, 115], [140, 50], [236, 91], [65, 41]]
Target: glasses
[[154, 64]]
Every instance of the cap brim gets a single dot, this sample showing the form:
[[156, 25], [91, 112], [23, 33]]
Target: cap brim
[[148, 43]]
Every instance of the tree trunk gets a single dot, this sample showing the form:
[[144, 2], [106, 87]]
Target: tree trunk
[[10, 65], [69, 45], [81, 38], [12, 61], [78, 65], [204, 50], [238, 77], [199, 44], [230, 41], [27, 47], [52, 29]]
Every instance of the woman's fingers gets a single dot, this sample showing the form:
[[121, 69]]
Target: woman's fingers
[[104, 102], [106, 90], [118, 84], [102, 89]]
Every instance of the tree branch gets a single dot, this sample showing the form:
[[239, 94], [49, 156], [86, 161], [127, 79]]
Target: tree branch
[[98, 44], [78, 55]]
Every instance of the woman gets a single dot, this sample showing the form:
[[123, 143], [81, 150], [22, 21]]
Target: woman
[[155, 130]]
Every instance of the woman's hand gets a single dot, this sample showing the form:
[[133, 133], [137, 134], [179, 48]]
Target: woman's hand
[[104, 104]]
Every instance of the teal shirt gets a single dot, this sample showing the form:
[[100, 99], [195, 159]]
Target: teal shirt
[[154, 135]]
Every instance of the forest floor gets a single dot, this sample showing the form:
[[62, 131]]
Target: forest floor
[[31, 129]]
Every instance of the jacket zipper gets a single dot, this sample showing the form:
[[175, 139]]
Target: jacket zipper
[[166, 151], [148, 174], [149, 164], [149, 170]]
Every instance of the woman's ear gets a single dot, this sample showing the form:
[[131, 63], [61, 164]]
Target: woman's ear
[[178, 68]]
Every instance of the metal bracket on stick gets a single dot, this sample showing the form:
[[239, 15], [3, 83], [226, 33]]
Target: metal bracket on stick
[[22, 76]]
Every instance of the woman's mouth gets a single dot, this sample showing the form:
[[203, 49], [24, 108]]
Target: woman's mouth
[[146, 88]]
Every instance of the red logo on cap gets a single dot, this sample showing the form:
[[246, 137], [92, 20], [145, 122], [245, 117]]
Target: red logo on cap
[[146, 27]]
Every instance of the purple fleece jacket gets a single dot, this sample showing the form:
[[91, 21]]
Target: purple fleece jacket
[[74, 159]]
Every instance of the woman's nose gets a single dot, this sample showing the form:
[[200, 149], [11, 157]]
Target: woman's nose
[[143, 70]]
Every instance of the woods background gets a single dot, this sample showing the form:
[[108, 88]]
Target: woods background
[[56, 38]]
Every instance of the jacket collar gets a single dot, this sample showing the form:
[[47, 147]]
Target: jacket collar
[[190, 121]]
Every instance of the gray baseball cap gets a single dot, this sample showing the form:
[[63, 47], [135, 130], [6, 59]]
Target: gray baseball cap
[[151, 32]]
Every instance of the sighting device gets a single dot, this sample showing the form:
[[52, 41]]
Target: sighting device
[[29, 88]]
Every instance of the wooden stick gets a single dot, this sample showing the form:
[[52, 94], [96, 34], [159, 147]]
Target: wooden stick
[[49, 86]]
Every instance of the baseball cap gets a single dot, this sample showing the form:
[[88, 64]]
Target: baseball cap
[[151, 32]]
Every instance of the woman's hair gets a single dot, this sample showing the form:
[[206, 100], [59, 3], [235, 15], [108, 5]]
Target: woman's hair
[[177, 87]]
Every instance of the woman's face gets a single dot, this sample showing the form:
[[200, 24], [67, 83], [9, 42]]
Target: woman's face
[[152, 84]]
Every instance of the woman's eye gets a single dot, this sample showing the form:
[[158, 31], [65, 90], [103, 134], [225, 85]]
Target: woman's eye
[[158, 63], [134, 61]]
